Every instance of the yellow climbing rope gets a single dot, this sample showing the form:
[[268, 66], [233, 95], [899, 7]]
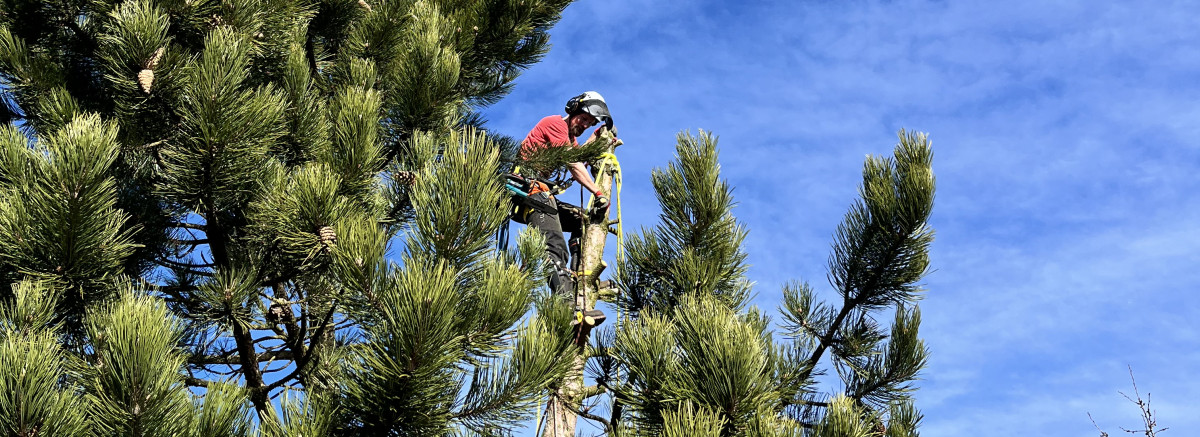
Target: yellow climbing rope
[[609, 162]]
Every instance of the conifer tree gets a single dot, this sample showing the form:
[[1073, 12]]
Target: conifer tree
[[273, 217], [692, 358], [199, 198]]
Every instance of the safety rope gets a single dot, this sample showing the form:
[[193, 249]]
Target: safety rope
[[608, 159]]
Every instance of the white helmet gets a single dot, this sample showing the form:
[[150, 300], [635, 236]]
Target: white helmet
[[592, 103]]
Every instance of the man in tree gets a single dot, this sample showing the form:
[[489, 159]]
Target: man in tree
[[583, 112]]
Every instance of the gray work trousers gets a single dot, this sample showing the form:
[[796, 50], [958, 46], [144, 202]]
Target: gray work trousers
[[562, 282]]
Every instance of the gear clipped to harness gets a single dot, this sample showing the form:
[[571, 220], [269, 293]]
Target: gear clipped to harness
[[521, 190]]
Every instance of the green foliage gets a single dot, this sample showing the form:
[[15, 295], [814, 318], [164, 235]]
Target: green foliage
[[133, 384], [248, 163], [28, 75], [458, 206], [691, 348], [880, 252], [883, 378], [58, 212], [297, 205], [703, 353], [688, 420], [128, 383], [422, 66], [33, 399], [551, 160], [882, 246], [442, 352], [309, 416], [33, 402], [903, 420], [228, 299], [354, 152], [697, 249], [842, 419], [31, 310], [223, 411], [227, 128]]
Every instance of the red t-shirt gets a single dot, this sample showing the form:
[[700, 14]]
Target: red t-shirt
[[549, 132]]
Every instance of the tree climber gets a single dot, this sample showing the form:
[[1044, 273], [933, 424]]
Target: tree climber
[[583, 112]]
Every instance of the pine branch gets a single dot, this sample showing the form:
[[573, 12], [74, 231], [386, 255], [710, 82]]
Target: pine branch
[[586, 415], [826, 339], [555, 159], [184, 265], [295, 339], [303, 360], [249, 367], [192, 242], [892, 213], [192, 381], [192, 226]]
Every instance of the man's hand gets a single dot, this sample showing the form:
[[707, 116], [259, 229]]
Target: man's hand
[[600, 202], [598, 132]]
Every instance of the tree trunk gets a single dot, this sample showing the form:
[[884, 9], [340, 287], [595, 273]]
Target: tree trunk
[[560, 417]]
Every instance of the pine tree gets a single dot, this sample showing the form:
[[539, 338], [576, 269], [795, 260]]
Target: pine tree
[[442, 326], [691, 358], [199, 198], [129, 376], [31, 363], [200, 201]]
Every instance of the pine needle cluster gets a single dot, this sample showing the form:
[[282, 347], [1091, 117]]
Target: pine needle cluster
[[551, 162], [692, 358]]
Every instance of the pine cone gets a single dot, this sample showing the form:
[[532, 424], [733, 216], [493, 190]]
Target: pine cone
[[364, 5], [406, 178], [154, 58], [328, 237], [146, 79]]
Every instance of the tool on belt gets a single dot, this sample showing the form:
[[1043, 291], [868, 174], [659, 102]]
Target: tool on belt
[[522, 188]]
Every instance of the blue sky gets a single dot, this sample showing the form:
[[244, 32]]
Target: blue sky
[[1066, 141]]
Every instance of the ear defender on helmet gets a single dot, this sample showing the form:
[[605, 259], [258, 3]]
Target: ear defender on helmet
[[573, 104]]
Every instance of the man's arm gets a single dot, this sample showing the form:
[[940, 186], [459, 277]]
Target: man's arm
[[580, 173], [579, 170]]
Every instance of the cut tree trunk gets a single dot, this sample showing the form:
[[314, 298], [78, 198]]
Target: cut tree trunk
[[564, 403]]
